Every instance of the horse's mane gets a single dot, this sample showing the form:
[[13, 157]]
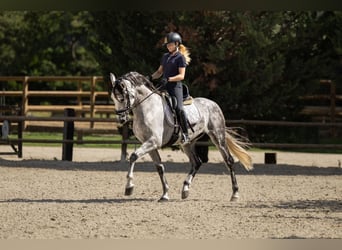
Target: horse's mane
[[138, 79]]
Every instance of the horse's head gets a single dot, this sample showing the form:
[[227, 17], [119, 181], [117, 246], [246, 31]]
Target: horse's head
[[123, 96]]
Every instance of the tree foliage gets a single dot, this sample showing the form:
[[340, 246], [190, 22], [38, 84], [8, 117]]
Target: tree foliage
[[255, 64], [128, 41], [45, 43]]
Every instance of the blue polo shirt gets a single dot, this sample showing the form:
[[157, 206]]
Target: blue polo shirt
[[171, 64]]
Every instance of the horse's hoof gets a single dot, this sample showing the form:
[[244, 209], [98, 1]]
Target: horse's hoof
[[234, 198], [129, 191], [185, 194], [163, 199]]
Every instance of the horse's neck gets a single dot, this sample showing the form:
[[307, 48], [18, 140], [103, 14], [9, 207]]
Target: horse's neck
[[146, 97], [152, 105], [143, 92]]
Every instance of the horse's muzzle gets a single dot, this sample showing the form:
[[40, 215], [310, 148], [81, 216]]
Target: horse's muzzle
[[123, 118]]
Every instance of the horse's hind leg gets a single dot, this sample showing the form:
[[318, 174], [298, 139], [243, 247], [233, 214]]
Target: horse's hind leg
[[218, 138], [195, 162], [161, 170]]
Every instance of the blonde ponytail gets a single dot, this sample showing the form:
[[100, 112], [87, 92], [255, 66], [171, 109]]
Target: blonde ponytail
[[185, 52]]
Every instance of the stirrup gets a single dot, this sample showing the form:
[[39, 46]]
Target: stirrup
[[185, 139]]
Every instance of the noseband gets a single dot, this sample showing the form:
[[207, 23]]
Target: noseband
[[121, 89], [121, 93]]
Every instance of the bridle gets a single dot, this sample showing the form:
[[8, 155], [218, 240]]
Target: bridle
[[120, 88], [126, 95]]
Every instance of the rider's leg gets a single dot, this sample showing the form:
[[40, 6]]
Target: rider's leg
[[183, 121], [176, 90]]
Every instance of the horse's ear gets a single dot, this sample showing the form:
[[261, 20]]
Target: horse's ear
[[112, 78]]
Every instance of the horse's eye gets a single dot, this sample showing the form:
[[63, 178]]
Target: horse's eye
[[118, 94]]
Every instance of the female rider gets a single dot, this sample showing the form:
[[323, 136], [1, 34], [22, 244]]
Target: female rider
[[172, 69]]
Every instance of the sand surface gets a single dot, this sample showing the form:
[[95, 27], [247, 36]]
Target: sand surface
[[42, 197]]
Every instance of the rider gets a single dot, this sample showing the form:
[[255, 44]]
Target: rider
[[172, 68]]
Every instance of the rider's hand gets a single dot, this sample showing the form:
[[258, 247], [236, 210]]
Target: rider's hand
[[164, 81]]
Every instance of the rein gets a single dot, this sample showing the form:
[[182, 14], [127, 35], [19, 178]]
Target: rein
[[129, 107]]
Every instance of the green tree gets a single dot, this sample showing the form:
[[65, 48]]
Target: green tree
[[46, 43], [12, 26], [128, 41], [259, 63], [255, 64], [58, 44]]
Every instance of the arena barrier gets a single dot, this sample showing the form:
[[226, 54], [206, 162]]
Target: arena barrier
[[68, 133]]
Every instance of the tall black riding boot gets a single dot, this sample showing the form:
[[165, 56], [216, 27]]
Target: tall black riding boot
[[184, 126]]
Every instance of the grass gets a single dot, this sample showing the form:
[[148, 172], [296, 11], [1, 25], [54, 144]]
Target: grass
[[59, 136]]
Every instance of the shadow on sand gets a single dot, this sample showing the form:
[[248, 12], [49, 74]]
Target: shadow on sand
[[172, 167]]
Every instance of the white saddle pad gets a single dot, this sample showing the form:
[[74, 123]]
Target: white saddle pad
[[191, 111]]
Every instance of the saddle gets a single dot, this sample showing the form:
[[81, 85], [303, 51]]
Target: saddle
[[171, 102]]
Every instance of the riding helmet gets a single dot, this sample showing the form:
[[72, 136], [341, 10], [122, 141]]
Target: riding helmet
[[173, 37]]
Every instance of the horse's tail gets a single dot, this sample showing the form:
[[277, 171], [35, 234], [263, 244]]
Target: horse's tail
[[237, 147]]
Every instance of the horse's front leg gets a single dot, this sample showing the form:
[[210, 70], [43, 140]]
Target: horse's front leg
[[146, 147], [130, 186], [195, 162]]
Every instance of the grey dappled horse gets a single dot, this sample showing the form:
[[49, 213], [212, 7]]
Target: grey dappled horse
[[134, 93]]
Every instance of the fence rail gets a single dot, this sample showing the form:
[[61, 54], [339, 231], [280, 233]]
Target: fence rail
[[284, 123], [331, 111], [125, 141], [26, 93]]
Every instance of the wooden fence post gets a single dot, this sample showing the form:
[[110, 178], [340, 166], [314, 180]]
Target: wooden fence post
[[92, 99], [79, 97], [20, 133], [24, 101], [68, 134], [270, 158]]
